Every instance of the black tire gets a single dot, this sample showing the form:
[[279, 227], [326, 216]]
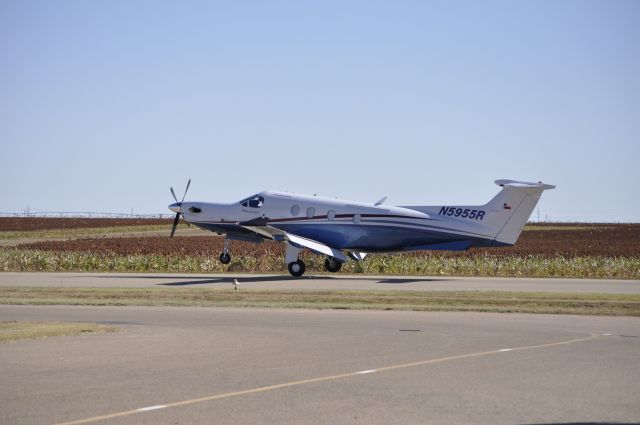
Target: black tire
[[332, 265], [296, 268], [225, 258]]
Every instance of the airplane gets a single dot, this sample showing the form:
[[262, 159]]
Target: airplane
[[342, 230]]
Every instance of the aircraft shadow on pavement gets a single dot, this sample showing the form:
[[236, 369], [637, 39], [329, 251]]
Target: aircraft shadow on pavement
[[244, 279], [191, 280], [401, 280], [226, 280]]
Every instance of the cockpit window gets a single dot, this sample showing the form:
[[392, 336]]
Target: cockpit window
[[253, 202]]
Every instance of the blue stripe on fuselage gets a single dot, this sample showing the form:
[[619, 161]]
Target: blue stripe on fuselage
[[373, 238], [362, 237]]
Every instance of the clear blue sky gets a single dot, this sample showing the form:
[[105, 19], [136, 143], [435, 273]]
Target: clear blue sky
[[105, 104]]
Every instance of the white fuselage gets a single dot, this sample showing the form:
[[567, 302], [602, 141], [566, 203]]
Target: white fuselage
[[338, 223]]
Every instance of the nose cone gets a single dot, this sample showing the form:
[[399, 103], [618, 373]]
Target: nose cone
[[175, 207]]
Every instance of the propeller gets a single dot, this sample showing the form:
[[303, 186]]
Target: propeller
[[179, 204]]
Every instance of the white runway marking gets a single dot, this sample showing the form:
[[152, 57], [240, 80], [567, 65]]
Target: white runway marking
[[505, 349], [606, 334], [146, 409], [323, 379]]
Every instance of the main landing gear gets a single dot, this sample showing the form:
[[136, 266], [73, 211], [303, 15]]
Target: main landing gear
[[332, 265], [297, 268], [295, 265], [225, 257]]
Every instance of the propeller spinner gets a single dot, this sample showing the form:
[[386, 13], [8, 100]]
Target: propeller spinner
[[177, 208]]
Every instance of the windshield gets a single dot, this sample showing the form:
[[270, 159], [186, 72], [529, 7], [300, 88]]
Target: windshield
[[253, 202]]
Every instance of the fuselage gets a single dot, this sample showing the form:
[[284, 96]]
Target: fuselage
[[344, 225]]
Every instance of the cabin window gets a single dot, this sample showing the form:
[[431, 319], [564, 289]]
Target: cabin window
[[357, 218], [295, 210], [331, 215], [311, 212], [195, 210]]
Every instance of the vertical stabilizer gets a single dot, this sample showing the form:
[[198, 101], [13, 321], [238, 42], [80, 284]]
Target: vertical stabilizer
[[509, 210]]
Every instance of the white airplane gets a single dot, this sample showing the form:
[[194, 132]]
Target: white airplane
[[340, 229]]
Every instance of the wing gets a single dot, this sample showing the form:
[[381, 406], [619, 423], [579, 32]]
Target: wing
[[317, 247], [281, 236]]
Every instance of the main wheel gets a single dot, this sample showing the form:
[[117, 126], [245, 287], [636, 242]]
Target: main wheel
[[332, 265], [225, 258], [296, 268]]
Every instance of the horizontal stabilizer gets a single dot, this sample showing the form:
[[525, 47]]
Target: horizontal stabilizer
[[515, 183]]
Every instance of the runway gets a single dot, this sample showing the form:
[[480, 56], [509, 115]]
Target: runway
[[321, 281], [247, 366]]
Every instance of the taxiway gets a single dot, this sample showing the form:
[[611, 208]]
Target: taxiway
[[245, 366], [321, 281]]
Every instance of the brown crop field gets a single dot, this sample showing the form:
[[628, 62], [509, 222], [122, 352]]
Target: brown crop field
[[50, 223], [554, 250], [621, 240]]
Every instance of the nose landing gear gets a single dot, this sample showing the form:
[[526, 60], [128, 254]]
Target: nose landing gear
[[225, 257]]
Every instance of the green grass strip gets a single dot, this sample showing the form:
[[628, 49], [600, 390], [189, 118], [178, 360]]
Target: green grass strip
[[15, 331], [482, 301]]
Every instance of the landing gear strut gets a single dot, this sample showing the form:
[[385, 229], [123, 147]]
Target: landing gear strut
[[295, 265], [296, 268], [332, 265], [225, 257]]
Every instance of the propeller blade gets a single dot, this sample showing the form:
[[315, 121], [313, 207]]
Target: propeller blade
[[185, 191], [177, 219], [174, 194], [175, 224]]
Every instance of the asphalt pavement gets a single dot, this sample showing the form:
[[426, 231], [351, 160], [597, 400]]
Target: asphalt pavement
[[246, 366], [320, 281]]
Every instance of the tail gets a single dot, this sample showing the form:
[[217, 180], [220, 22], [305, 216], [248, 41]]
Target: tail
[[509, 210], [499, 222]]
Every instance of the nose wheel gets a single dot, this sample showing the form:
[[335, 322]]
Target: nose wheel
[[296, 268], [225, 257]]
